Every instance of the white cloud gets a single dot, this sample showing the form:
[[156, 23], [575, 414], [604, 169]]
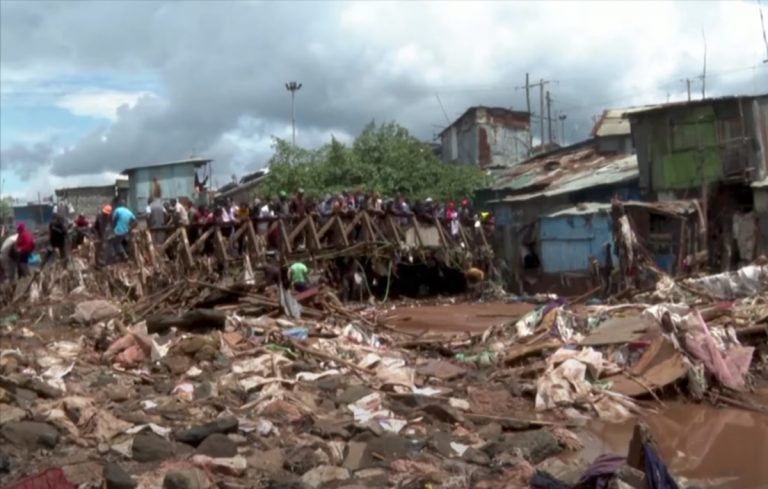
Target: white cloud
[[100, 103], [46, 182]]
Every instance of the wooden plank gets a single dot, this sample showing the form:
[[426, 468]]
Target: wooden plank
[[151, 248], [369, 235], [416, 231], [253, 240], [395, 230], [286, 243], [440, 232], [168, 242], [219, 246], [200, 243], [342, 231], [186, 253], [314, 239], [297, 230]]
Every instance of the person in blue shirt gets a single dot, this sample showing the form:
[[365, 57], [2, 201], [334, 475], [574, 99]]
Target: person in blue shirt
[[123, 220]]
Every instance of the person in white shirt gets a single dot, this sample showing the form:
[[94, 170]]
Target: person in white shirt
[[181, 213], [8, 267]]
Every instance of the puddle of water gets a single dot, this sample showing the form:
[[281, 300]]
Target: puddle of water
[[717, 448]]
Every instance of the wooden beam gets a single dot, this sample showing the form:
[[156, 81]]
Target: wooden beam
[[186, 253], [169, 241], [314, 239], [200, 243], [342, 231], [286, 243], [151, 248], [416, 231], [219, 246]]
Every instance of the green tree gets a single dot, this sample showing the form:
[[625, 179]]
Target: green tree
[[383, 157]]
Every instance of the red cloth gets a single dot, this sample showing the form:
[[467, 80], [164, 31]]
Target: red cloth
[[82, 222], [25, 243], [50, 479]]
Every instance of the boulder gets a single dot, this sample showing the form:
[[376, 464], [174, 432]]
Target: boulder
[[30, 434]]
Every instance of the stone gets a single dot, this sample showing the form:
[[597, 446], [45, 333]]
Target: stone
[[267, 461], [355, 453], [534, 445], [217, 445], [30, 434], [302, 459], [332, 427], [102, 448], [195, 435], [568, 471], [117, 478], [177, 364], [10, 414], [237, 439], [182, 479], [352, 394], [148, 447], [118, 393], [444, 413], [323, 474], [475, 456], [5, 463], [490, 431], [441, 443]]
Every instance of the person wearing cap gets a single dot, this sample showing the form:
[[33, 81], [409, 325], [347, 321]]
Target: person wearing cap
[[283, 205]]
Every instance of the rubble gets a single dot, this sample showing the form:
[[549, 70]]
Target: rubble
[[196, 385]]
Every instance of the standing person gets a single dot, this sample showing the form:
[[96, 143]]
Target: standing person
[[25, 245], [57, 237], [82, 227], [297, 275], [102, 227], [453, 217], [156, 220], [297, 206], [6, 262], [123, 220]]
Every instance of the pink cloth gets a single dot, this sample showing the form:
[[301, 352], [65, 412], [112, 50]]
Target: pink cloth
[[730, 367]]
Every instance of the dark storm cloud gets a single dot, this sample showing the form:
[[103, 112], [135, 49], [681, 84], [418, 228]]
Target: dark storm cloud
[[217, 64], [25, 160]]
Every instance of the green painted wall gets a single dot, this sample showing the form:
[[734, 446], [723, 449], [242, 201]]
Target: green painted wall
[[685, 150]]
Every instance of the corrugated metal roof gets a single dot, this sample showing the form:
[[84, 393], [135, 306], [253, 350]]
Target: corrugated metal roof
[[699, 102], [614, 122], [198, 162], [761, 183], [582, 209], [566, 170], [678, 207]]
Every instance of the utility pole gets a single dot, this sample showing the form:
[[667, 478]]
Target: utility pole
[[293, 87], [528, 87], [549, 117], [528, 106], [562, 118], [688, 87], [541, 106]]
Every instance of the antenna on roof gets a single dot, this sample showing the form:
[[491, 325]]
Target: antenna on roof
[[447, 119]]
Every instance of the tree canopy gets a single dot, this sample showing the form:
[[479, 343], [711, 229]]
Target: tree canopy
[[384, 157]]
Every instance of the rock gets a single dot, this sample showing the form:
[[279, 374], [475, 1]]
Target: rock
[[177, 364], [118, 393], [568, 471], [533, 445], [355, 453], [217, 445], [268, 461], [303, 459], [182, 479], [237, 439], [352, 394], [475, 456], [5, 463], [10, 414], [234, 466], [490, 431], [324, 473], [148, 447], [332, 427], [444, 413], [102, 448], [117, 478], [94, 311], [30, 434], [195, 435], [441, 442]]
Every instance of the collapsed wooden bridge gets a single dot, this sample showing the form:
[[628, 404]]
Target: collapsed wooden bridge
[[315, 238]]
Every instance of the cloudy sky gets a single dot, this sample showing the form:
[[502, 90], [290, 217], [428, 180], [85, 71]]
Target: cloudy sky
[[87, 89]]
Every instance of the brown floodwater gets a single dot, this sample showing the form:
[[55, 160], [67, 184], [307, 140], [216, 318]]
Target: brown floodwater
[[723, 448]]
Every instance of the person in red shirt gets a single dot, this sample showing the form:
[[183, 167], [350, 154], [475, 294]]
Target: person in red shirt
[[25, 245]]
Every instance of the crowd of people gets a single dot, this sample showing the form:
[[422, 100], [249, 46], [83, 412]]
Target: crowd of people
[[111, 229]]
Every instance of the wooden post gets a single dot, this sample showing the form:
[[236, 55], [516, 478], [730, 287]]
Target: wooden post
[[220, 247], [151, 248], [200, 243], [186, 252], [314, 240]]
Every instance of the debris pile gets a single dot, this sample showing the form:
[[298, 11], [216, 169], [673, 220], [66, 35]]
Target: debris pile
[[198, 384]]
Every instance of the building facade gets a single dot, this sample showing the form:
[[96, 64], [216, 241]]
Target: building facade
[[174, 180], [89, 200], [486, 137]]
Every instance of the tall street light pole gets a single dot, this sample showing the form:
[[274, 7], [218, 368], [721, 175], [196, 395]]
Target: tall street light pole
[[293, 87]]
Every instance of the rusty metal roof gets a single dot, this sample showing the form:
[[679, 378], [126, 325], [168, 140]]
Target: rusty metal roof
[[197, 162], [672, 105], [614, 122], [670, 207], [565, 170]]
